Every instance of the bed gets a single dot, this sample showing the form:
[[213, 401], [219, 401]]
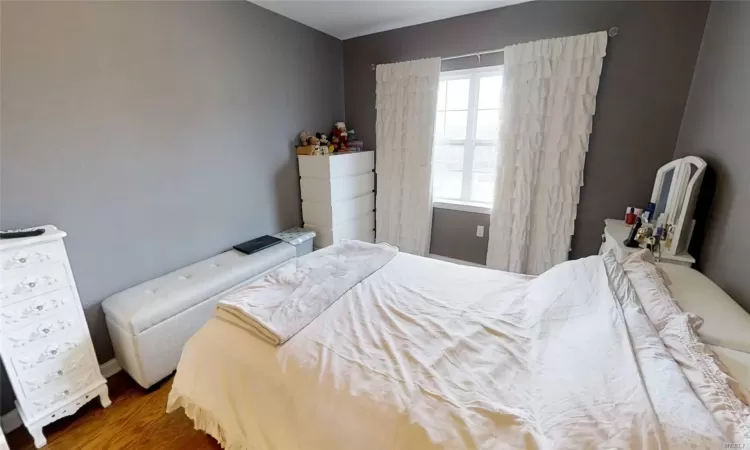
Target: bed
[[425, 354]]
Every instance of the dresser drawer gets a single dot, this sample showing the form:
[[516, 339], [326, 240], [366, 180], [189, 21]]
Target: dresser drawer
[[18, 285], [328, 215], [50, 355], [34, 309], [32, 256], [35, 382], [42, 331], [62, 390], [360, 228], [336, 189], [336, 165]]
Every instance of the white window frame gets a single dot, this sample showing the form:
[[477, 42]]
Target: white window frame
[[470, 143]]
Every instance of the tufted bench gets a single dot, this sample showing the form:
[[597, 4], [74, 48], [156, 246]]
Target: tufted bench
[[149, 323]]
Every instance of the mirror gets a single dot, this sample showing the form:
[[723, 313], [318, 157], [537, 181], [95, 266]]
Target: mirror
[[661, 202], [674, 195]]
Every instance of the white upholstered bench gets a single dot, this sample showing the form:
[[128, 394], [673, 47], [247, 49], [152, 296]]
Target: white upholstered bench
[[149, 323]]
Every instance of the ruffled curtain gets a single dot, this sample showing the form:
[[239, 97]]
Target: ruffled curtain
[[550, 91], [406, 101]]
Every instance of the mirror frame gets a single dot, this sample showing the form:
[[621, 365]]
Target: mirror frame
[[683, 193]]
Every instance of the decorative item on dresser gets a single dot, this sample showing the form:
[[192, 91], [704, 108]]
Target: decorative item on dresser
[[338, 196], [45, 347], [615, 233]]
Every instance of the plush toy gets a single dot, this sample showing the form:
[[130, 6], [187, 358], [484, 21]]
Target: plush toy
[[339, 137], [312, 145]]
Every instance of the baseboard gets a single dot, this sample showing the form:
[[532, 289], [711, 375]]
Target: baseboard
[[110, 368], [12, 420], [455, 261]]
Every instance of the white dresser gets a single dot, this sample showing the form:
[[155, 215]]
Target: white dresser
[[615, 234], [338, 198], [45, 345]]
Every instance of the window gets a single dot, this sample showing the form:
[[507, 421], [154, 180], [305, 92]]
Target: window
[[466, 136]]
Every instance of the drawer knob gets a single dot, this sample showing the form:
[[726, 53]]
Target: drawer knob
[[23, 260], [32, 284], [39, 307], [66, 392], [54, 352], [45, 330], [60, 372]]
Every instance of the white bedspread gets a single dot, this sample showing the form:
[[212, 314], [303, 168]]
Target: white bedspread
[[286, 300], [425, 354]]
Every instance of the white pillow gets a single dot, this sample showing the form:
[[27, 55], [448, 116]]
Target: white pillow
[[725, 323]]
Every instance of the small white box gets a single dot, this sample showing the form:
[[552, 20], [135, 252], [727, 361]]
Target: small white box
[[300, 238]]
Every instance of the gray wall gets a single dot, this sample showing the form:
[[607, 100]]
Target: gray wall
[[716, 128], [454, 234], [644, 85], [156, 133]]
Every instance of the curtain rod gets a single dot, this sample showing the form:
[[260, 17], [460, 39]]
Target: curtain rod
[[612, 32]]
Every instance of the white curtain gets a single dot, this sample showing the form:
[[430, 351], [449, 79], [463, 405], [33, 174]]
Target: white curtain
[[550, 91], [406, 101]]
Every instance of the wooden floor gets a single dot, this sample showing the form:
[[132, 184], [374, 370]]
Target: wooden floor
[[135, 420]]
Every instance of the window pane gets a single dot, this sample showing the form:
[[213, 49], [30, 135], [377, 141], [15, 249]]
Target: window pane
[[447, 171], [441, 96], [440, 125], [485, 158], [488, 124], [490, 92], [483, 174], [482, 187], [458, 94], [455, 124]]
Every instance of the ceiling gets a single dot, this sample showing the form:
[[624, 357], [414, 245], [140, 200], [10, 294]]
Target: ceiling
[[352, 18]]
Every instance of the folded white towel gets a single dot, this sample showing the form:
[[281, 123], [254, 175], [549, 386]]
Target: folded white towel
[[289, 298]]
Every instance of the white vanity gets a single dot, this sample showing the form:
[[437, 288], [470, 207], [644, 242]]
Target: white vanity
[[45, 345]]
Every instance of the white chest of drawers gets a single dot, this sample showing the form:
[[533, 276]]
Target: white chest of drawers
[[338, 196], [45, 343]]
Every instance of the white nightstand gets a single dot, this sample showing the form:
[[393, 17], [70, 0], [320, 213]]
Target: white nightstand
[[615, 233]]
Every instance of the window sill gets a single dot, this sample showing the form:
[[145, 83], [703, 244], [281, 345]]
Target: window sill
[[462, 206]]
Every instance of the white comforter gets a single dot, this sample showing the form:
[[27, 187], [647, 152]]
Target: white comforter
[[425, 354]]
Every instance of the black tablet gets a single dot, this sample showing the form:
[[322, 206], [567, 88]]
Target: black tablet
[[257, 244]]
